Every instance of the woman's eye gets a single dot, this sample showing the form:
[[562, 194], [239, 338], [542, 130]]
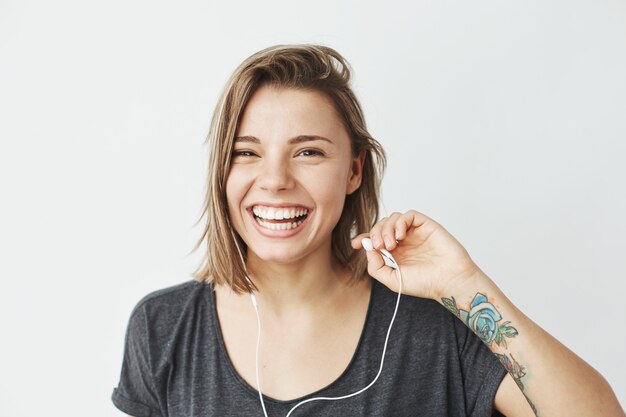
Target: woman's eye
[[305, 152], [311, 152], [243, 153]]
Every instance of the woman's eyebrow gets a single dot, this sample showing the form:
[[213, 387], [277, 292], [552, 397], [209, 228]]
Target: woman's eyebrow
[[292, 141]]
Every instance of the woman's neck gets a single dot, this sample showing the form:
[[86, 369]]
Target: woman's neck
[[307, 284]]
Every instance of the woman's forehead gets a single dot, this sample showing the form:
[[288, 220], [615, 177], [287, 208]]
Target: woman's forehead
[[288, 113]]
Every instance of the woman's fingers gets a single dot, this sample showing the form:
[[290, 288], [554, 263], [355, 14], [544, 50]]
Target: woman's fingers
[[389, 230], [381, 234], [375, 233], [401, 228], [377, 268]]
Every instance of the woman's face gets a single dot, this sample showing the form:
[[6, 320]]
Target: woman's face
[[291, 170]]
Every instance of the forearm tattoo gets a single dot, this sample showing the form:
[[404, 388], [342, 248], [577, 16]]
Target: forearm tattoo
[[483, 318]]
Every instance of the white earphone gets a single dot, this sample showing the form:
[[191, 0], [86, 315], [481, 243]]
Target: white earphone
[[389, 261]]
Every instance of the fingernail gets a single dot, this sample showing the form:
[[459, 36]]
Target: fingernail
[[388, 241], [376, 241]]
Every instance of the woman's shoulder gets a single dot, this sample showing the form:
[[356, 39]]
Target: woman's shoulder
[[163, 307], [162, 321], [171, 295]]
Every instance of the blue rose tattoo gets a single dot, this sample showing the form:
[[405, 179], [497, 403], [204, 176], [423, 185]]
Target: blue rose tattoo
[[482, 318]]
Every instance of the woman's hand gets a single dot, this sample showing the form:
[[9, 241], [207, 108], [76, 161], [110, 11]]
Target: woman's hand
[[431, 259]]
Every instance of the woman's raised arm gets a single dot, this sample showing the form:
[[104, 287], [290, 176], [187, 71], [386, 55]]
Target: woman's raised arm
[[554, 380]]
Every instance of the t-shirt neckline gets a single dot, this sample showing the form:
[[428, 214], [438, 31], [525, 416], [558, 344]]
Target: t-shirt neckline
[[252, 390]]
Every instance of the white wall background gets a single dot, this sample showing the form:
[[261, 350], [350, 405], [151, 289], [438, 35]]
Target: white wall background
[[503, 120]]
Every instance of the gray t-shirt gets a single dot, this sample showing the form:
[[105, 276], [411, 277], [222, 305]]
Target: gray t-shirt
[[175, 363]]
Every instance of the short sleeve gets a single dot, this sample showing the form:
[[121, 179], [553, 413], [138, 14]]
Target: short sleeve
[[482, 372], [136, 394]]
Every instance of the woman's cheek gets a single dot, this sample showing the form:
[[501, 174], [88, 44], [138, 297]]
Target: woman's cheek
[[329, 189]]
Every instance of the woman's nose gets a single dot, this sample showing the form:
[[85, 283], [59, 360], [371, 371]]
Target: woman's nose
[[275, 176]]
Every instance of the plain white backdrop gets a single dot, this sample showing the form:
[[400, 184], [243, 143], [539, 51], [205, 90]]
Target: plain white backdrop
[[502, 120]]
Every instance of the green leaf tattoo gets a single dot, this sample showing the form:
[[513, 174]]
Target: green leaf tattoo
[[450, 304]]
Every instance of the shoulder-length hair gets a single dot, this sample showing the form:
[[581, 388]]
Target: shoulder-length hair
[[299, 66]]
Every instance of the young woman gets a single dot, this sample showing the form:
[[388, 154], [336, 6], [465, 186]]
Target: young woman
[[293, 189]]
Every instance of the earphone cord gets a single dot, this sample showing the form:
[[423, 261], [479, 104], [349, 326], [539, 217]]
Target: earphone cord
[[382, 360], [258, 340], [258, 322]]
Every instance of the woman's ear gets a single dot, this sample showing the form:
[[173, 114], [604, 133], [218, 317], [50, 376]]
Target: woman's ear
[[356, 172]]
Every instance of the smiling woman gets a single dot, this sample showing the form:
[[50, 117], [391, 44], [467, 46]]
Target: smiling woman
[[285, 171], [297, 97], [292, 189]]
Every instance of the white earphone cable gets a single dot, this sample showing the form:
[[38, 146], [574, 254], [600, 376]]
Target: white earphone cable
[[258, 323], [382, 360], [258, 343], [390, 261]]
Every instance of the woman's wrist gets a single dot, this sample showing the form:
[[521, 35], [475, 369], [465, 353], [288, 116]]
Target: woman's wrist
[[470, 281]]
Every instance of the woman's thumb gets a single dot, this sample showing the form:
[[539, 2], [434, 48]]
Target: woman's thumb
[[377, 268]]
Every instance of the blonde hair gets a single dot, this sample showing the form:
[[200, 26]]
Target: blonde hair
[[299, 66]]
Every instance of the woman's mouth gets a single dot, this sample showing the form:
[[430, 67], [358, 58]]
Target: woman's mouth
[[278, 224], [282, 219]]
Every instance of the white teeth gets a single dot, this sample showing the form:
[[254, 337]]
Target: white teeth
[[271, 213], [279, 226]]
